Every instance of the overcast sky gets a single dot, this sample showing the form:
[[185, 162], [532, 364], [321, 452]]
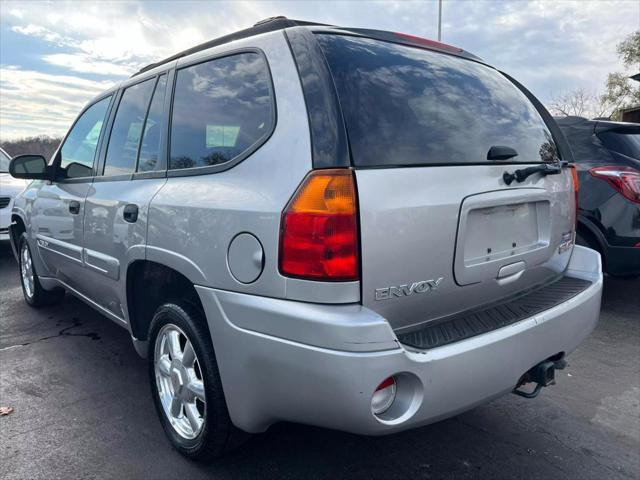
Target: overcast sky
[[54, 56]]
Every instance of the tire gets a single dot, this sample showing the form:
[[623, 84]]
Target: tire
[[174, 382], [588, 241], [582, 240], [34, 294]]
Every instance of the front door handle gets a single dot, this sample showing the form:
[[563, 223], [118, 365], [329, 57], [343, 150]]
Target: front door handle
[[74, 207], [130, 213]]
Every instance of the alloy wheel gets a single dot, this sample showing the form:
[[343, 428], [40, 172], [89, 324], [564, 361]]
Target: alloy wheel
[[179, 381], [26, 270]]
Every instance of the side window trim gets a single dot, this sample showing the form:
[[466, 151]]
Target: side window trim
[[99, 165], [249, 151], [57, 159], [99, 173], [144, 122], [163, 153], [115, 101]]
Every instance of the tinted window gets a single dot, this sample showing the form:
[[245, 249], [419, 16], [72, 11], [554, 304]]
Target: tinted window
[[221, 109], [409, 106], [79, 148], [625, 143], [122, 150], [150, 146]]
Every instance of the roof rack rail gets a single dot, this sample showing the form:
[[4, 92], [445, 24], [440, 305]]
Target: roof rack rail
[[263, 26], [280, 22], [267, 20]]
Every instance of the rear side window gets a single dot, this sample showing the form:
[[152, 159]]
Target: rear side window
[[626, 143], [222, 109], [127, 129], [79, 149], [409, 106], [150, 146]]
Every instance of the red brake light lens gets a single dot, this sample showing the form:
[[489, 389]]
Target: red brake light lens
[[319, 229], [626, 180], [427, 43]]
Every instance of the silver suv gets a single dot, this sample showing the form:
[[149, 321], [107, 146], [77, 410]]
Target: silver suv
[[355, 229]]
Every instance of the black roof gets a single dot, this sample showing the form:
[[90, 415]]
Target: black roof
[[280, 23], [595, 125], [580, 133]]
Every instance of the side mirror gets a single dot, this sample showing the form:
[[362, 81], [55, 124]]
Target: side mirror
[[75, 170], [32, 167]]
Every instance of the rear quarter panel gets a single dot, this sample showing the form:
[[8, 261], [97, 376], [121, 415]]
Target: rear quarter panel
[[193, 219]]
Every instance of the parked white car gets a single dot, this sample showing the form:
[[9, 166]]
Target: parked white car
[[9, 188]]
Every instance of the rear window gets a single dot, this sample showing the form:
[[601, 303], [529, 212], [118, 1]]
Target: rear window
[[622, 142], [408, 106]]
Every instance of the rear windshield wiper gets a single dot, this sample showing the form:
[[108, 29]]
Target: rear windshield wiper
[[522, 174]]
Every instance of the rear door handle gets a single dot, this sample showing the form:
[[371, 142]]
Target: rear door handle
[[74, 207], [130, 213]]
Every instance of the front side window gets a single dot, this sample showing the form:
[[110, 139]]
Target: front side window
[[124, 141], [221, 109], [407, 106], [79, 149]]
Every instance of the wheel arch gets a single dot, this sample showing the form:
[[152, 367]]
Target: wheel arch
[[16, 228], [150, 284], [590, 231]]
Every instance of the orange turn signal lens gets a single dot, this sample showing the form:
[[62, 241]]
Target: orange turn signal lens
[[319, 230]]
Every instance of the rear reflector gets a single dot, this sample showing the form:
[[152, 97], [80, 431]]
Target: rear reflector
[[319, 229], [427, 43], [626, 180], [383, 396]]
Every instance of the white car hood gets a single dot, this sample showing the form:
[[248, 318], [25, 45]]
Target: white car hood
[[9, 186]]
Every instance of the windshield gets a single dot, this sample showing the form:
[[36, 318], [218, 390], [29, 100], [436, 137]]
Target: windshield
[[409, 106], [4, 162], [625, 143]]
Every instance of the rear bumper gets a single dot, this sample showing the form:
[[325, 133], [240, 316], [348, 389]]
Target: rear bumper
[[319, 364]]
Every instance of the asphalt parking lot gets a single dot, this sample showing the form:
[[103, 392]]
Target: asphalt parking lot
[[83, 410]]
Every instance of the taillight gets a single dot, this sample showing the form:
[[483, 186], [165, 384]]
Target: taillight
[[576, 185], [319, 229], [626, 180]]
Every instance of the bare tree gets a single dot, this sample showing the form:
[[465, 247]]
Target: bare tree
[[41, 145], [579, 103]]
